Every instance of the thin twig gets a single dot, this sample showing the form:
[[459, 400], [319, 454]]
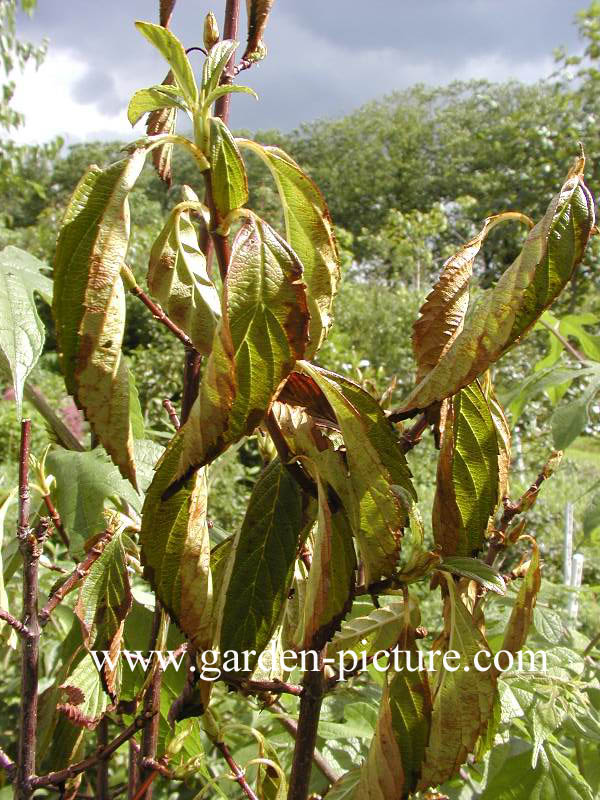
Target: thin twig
[[56, 520], [14, 622], [564, 341], [133, 773], [64, 435], [306, 734], [291, 727], [170, 409], [102, 788], [412, 436], [230, 31], [591, 645], [151, 707], [78, 574], [273, 687], [160, 315], [191, 382], [238, 773], [63, 775]]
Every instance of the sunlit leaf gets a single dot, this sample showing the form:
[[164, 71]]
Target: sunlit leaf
[[21, 330], [228, 174], [152, 99], [173, 51], [89, 303], [309, 231], [475, 569]]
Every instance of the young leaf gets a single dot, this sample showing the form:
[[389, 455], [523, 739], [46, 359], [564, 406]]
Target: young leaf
[[174, 53], [21, 329], [463, 700], [152, 99], [443, 312], [309, 231], [380, 629], [475, 569], [162, 121], [258, 14], [229, 180], [104, 602], [89, 303], [178, 279], [216, 61], [521, 616], [329, 591], [507, 311], [378, 473], [261, 335], [176, 548], [467, 479], [263, 565]]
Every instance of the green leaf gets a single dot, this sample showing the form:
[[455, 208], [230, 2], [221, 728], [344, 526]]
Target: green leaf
[[548, 623], [379, 488], [549, 378], [570, 418], [344, 787], [262, 567], [84, 483], [229, 180], [475, 569], [176, 548], [463, 700], [178, 279], [262, 333], [508, 310], [329, 591], [89, 303], [152, 99], [233, 88], [467, 478], [174, 53], [103, 603], [21, 329], [573, 325], [591, 516], [218, 57], [136, 417], [558, 779], [309, 231], [380, 629]]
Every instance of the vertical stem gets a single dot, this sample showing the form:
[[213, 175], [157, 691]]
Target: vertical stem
[[230, 31], [191, 382], [133, 776], [102, 790], [151, 706], [306, 736], [29, 547]]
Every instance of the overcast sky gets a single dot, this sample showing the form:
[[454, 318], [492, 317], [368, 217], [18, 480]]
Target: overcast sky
[[325, 58]]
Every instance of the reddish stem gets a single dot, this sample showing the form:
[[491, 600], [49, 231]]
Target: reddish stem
[[238, 773]]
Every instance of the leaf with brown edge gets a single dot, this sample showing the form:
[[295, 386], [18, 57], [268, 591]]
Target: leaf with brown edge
[[163, 121], [89, 303], [178, 278], [302, 391], [330, 586], [503, 436], [463, 701], [382, 776], [84, 701], [467, 477], [103, 604], [379, 486], [310, 232], [443, 312], [517, 629], [261, 335], [176, 548], [258, 15], [551, 252]]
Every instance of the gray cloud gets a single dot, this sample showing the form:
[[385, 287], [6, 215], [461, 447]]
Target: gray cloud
[[325, 56]]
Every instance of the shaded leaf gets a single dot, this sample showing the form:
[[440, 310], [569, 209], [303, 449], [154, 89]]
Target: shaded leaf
[[329, 590], [178, 278], [467, 478], [442, 315], [552, 377], [21, 330], [570, 419], [263, 564], [463, 700], [508, 310], [228, 174], [176, 548], [173, 51], [261, 334], [310, 232], [475, 569], [379, 488], [89, 303], [591, 516]]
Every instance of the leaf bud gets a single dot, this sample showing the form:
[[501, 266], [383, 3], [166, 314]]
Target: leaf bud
[[211, 31]]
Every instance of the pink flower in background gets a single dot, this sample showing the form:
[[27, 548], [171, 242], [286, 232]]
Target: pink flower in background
[[9, 394], [73, 417]]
